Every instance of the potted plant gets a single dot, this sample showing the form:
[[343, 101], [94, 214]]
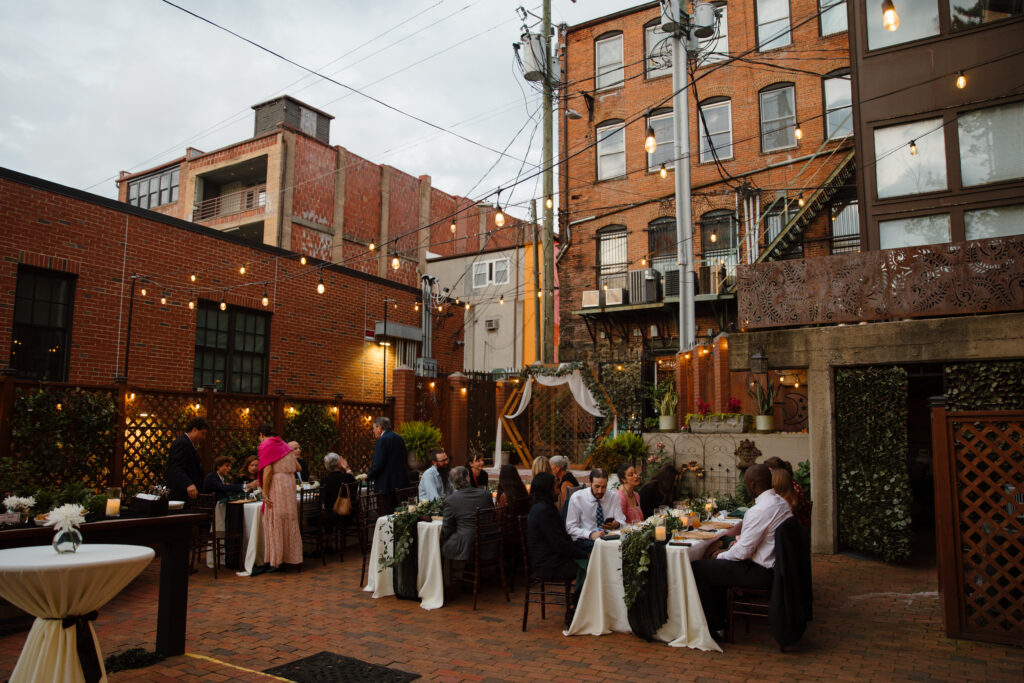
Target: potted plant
[[615, 450], [420, 438], [732, 421], [667, 410], [764, 398]]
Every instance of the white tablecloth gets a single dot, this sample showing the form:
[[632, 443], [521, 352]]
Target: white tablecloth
[[50, 586], [252, 535], [602, 608], [430, 576]]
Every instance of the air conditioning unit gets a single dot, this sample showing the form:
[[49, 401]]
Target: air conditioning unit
[[643, 286], [491, 324], [592, 298], [616, 296], [672, 282]]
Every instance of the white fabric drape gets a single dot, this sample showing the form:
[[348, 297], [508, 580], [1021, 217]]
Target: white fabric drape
[[430, 573], [580, 393]]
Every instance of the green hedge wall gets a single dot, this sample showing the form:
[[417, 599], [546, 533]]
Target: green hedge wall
[[871, 446], [995, 385]]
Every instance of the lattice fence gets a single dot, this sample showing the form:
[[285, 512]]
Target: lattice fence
[[554, 424], [481, 418], [355, 429], [152, 422]]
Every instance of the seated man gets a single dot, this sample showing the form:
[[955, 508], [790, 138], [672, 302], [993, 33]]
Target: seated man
[[216, 484], [434, 484], [750, 560], [458, 530], [592, 513]]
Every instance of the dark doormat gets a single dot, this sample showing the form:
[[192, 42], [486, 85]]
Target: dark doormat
[[326, 667]]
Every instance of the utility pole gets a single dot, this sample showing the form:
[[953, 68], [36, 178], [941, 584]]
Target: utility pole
[[536, 282], [548, 236]]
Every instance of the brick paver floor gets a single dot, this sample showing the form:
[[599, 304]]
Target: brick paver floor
[[872, 622]]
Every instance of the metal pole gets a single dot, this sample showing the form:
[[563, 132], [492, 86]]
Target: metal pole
[[384, 345], [684, 219], [549, 189], [128, 341], [536, 284]]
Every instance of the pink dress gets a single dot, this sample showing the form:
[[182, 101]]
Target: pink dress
[[630, 508], [281, 520]]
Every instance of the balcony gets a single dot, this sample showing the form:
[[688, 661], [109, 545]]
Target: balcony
[[978, 276], [231, 204]]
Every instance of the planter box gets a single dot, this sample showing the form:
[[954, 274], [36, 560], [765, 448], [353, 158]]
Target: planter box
[[716, 425]]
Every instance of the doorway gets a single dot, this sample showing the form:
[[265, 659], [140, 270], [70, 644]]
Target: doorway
[[923, 382]]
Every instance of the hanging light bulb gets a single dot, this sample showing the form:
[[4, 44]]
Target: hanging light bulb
[[372, 246], [302, 260], [320, 285], [241, 271], [499, 217], [191, 304], [913, 148], [663, 172], [643, 262], [650, 144], [800, 200], [143, 291], [467, 305], [416, 307], [453, 227], [163, 299], [799, 133], [266, 299], [395, 263], [714, 237], [890, 19], [549, 202], [395, 304], [223, 302], [961, 80], [540, 294], [456, 301], [440, 308], [192, 277], [501, 300]]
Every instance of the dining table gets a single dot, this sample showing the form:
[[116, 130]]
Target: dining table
[[253, 541], [64, 591], [430, 570], [602, 606]]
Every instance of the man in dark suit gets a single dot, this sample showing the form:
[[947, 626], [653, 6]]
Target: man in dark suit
[[458, 530], [390, 460], [184, 471], [216, 483]]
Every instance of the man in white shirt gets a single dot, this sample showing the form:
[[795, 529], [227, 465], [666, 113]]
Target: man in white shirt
[[434, 483], [592, 513], [749, 562]]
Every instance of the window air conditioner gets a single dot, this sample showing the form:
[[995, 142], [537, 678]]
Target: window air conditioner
[[616, 296], [491, 324], [592, 298]]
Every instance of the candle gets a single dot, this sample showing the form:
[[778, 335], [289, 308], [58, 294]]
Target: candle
[[412, 508], [659, 533], [707, 506], [113, 507]]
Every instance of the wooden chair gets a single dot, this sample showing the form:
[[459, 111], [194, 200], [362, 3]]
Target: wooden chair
[[487, 552], [369, 506], [208, 537], [311, 520], [510, 538], [537, 589], [569, 493], [409, 493], [345, 526]]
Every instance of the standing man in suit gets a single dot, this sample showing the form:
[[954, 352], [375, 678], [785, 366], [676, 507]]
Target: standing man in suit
[[390, 461], [184, 471]]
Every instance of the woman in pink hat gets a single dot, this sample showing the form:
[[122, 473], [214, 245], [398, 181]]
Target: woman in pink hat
[[280, 508]]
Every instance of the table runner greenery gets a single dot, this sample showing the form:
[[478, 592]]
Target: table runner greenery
[[403, 524], [636, 549]]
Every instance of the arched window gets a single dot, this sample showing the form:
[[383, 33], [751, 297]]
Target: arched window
[[612, 258], [611, 149], [778, 117], [657, 50], [716, 140], [838, 109], [661, 122], [608, 61]]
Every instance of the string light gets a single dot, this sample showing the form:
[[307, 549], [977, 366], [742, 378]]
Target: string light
[[650, 144], [453, 227], [417, 307], [440, 308], [143, 291], [191, 304], [501, 300], [799, 133], [549, 202], [395, 263], [890, 20], [961, 80], [643, 262], [372, 246], [456, 301], [192, 277], [499, 217], [266, 299], [302, 260], [540, 294], [223, 302], [467, 305], [163, 299], [800, 200], [913, 148], [663, 172], [241, 270], [320, 285]]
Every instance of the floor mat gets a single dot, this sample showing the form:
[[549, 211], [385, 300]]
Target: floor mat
[[326, 667]]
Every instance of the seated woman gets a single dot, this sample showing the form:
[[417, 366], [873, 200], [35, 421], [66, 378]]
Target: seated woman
[[512, 492], [338, 474], [552, 553], [216, 483], [458, 529], [629, 499], [660, 490], [786, 486], [249, 471], [540, 464], [477, 473]]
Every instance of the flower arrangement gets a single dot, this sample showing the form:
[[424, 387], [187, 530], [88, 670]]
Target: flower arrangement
[[703, 408], [636, 554], [732, 405], [19, 503], [65, 517], [403, 525], [361, 477]]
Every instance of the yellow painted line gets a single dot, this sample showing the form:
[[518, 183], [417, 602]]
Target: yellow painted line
[[233, 666]]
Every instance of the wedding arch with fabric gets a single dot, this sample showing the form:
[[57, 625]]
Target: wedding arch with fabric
[[555, 410]]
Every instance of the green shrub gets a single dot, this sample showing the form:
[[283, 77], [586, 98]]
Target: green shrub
[[802, 476], [615, 450], [420, 438]]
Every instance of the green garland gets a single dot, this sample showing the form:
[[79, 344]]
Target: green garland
[[404, 523], [636, 557], [593, 386]]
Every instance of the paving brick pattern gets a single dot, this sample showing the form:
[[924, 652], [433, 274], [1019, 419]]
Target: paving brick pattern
[[872, 622]]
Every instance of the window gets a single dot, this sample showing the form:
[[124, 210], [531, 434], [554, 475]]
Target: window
[[231, 348], [778, 118], [912, 232], [897, 171], [918, 19], [716, 140], [663, 133], [844, 224], [307, 121], [406, 351], [661, 244], [612, 262], [778, 215], [991, 144], [611, 151], [970, 13], [719, 235], [772, 24], [838, 109], [657, 50], [833, 16], [716, 48], [1002, 221], [154, 190], [41, 336], [494, 272], [608, 62]]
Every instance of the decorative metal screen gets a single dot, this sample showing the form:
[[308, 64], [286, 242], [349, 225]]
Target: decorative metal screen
[[554, 424], [152, 422], [355, 429]]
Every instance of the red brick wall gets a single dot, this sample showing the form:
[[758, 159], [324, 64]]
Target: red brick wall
[[311, 242], [403, 211], [313, 193], [317, 345], [362, 197]]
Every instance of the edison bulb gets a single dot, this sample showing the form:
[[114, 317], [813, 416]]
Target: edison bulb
[[223, 305], [395, 263], [499, 218]]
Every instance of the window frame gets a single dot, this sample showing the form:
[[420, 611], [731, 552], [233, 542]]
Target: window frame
[[229, 352], [155, 186], [653, 164], [717, 217], [649, 57], [838, 74], [758, 25], [843, 243], [713, 102], [953, 29], [609, 73], [774, 88], [821, 16], [489, 271], [610, 272], [64, 330], [610, 126]]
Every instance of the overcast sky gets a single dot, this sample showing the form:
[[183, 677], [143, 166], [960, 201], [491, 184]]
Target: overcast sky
[[92, 87]]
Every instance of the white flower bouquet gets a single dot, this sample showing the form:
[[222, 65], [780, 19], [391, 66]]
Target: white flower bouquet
[[19, 504], [66, 516]]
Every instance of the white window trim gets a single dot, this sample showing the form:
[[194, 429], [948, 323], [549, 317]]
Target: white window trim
[[824, 94], [666, 52], [701, 133], [488, 269], [761, 120], [608, 70], [651, 165], [776, 35], [603, 132]]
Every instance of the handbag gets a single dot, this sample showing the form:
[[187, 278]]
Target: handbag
[[342, 504]]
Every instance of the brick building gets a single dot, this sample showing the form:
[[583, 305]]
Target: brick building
[[771, 177], [66, 283]]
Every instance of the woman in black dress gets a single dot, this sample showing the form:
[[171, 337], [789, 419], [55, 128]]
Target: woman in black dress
[[660, 490], [477, 473]]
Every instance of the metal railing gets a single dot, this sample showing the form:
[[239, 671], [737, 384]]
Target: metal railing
[[232, 203]]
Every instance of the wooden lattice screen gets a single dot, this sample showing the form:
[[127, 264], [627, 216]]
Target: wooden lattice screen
[[979, 487]]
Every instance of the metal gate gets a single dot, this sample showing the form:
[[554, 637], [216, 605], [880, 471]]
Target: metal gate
[[979, 522]]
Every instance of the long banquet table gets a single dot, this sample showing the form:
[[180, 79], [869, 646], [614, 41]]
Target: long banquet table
[[430, 576]]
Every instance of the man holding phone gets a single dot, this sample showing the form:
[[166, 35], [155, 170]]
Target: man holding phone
[[592, 513]]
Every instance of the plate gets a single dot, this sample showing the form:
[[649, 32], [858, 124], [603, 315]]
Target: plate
[[175, 505]]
